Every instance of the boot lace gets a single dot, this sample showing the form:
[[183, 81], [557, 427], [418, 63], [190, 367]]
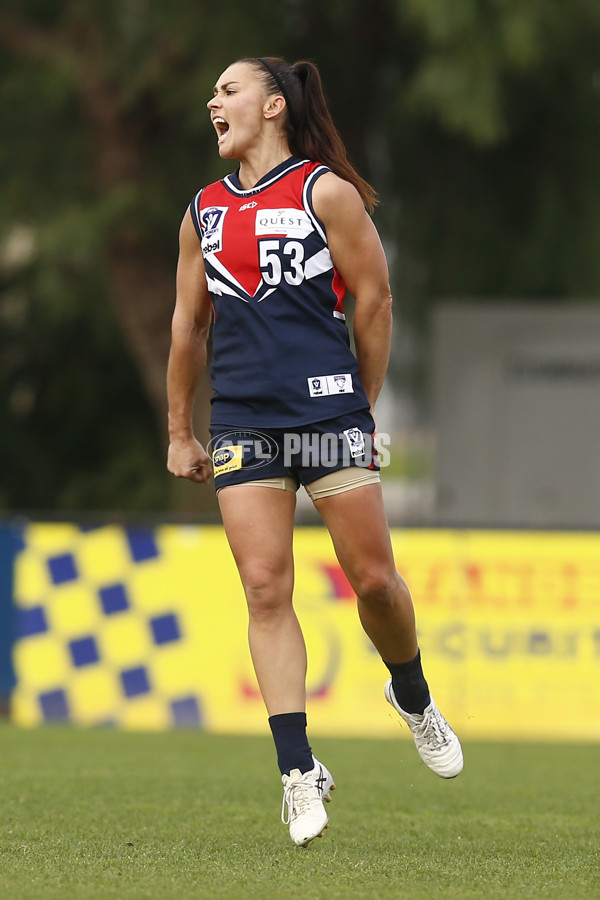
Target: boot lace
[[433, 729], [296, 797]]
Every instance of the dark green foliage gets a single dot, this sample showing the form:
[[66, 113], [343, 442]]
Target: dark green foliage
[[77, 428], [478, 122]]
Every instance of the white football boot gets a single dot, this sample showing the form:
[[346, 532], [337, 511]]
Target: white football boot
[[436, 743], [304, 796]]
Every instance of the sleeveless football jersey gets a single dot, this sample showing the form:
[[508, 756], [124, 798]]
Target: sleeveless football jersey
[[281, 349]]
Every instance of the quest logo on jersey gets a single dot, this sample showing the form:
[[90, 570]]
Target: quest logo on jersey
[[293, 223], [211, 220]]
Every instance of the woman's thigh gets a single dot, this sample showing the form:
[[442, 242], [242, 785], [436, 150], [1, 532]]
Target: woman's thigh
[[357, 522], [259, 524]]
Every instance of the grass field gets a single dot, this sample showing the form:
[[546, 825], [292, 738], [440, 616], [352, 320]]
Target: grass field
[[104, 814]]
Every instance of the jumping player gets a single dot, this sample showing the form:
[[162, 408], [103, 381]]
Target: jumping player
[[266, 256]]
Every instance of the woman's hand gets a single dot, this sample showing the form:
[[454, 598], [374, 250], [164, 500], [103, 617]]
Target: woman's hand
[[188, 459]]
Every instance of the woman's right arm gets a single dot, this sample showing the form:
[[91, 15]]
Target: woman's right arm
[[187, 458]]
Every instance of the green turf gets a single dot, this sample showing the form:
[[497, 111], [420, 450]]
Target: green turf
[[103, 814]]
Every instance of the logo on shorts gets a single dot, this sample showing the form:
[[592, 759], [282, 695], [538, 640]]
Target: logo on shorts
[[227, 459], [356, 442], [234, 450]]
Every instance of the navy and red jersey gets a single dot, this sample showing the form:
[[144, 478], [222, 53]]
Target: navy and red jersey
[[281, 349]]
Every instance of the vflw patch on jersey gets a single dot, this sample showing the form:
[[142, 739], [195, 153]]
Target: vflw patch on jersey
[[212, 220]]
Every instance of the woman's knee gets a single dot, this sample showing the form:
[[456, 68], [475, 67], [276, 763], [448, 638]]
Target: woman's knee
[[381, 588], [267, 593]]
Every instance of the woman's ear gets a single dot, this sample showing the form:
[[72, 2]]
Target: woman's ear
[[273, 107]]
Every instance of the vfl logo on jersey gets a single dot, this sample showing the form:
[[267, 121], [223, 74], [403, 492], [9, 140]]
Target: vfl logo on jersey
[[293, 223], [211, 220], [356, 442], [227, 459], [252, 205], [324, 385]]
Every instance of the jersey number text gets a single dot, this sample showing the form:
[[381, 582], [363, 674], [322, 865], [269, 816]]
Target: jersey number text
[[281, 260]]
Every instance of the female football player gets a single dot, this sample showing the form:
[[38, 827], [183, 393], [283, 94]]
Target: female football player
[[266, 256]]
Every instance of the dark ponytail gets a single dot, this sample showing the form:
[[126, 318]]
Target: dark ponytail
[[310, 129]]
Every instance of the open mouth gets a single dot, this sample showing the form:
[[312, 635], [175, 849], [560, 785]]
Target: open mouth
[[221, 126]]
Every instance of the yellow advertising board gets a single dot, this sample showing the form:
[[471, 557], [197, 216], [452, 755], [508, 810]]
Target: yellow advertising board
[[146, 629]]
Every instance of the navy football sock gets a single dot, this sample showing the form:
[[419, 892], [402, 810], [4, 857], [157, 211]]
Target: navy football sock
[[410, 688], [291, 743]]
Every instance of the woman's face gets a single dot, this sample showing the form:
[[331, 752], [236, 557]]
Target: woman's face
[[237, 110]]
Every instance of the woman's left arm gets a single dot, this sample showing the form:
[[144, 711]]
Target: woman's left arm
[[358, 256]]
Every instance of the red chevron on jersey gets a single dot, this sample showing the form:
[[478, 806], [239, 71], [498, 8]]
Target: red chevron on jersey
[[254, 247]]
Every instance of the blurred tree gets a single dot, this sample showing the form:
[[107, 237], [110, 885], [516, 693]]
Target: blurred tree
[[479, 124], [102, 105], [498, 162], [477, 121], [106, 107], [77, 428]]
